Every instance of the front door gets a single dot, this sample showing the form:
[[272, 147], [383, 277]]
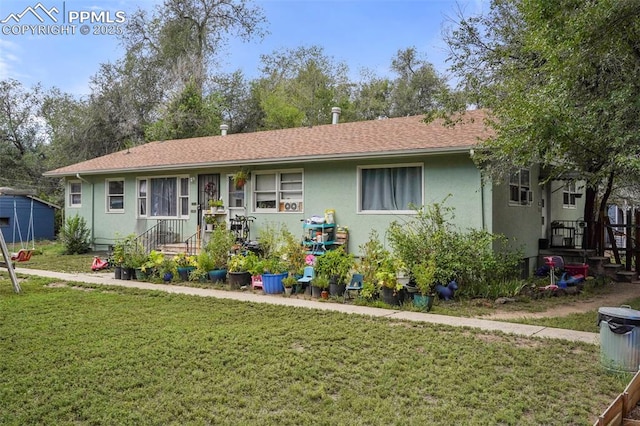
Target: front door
[[208, 189]]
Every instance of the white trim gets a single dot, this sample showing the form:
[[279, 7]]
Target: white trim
[[70, 194], [529, 192], [179, 197], [107, 195], [385, 166], [279, 192]]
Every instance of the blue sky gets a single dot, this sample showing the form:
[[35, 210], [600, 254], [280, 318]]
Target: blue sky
[[361, 33]]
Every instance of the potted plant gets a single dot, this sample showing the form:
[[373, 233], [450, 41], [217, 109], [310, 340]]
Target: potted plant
[[218, 247], [293, 253], [424, 276], [150, 266], [184, 265], [337, 265], [205, 266], [240, 178], [289, 282], [135, 257], [216, 205], [319, 284], [275, 270], [167, 269], [209, 222], [239, 269], [118, 254], [387, 278]]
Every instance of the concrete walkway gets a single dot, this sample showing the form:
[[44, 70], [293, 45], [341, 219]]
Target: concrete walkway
[[488, 325]]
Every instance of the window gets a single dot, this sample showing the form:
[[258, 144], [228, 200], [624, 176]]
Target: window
[[4, 222], [520, 188], [75, 194], [569, 195], [115, 195], [163, 197], [142, 197], [236, 194], [278, 191], [390, 188]]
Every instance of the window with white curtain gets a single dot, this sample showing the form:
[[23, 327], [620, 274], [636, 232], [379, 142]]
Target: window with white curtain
[[390, 188], [163, 197]]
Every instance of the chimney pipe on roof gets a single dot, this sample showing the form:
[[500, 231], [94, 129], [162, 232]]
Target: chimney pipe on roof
[[223, 129], [335, 114]]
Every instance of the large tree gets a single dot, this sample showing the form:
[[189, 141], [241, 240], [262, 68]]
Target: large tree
[[300, 86], [23, 135], [184, 36], [562, 83]]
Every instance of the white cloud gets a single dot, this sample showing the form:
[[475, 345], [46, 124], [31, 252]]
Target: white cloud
[[9, 60]]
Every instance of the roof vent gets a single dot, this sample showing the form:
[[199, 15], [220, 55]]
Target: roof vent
[[335, 115], [223, 129]]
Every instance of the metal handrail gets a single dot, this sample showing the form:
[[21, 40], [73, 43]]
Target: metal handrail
[[166, 231]]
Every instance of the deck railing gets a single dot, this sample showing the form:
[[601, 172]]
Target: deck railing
[[166, 231]]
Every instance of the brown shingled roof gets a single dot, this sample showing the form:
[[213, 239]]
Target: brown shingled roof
[[387, 137]]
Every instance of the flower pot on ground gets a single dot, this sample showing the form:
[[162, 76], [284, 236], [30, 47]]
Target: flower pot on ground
[[272, 283], [337, 265], [237, 280], [117, 271], [289, 282], [424, 302], [218, 275], [336, 288], [184, 272], [423, 274], [319, 284], [127, 273], [184, 265]]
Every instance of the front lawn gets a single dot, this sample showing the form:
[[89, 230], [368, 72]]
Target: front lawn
[[110, 355]]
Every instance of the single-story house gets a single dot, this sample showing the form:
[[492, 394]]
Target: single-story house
[[24, 217], [368, 172]]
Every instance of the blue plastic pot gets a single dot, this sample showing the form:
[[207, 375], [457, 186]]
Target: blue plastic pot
[[272, 283]]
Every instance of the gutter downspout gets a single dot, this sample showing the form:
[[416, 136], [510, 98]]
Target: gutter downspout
[[93, 203]]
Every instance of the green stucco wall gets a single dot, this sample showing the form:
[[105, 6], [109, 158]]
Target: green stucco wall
[[327, 185]]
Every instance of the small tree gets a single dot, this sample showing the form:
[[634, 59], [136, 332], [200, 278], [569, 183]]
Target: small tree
[[75, 236]]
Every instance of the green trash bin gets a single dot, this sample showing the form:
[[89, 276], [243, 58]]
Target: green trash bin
[[619, 338]]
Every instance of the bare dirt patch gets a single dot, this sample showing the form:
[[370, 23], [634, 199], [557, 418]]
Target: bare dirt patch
[[619, 294]]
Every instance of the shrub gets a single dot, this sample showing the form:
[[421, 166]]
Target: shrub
[[75, 236], [481, 262]]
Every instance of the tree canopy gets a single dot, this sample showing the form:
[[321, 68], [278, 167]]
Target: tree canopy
[[562, 83]]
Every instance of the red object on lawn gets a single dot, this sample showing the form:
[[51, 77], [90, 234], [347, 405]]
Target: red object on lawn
[[99, 264]]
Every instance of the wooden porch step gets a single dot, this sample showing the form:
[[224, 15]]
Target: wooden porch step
[[625, 276], [596, 265], [611, 270], [173, 249]]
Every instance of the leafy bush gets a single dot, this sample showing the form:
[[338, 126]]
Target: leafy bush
[[75, 236], [481, 262]]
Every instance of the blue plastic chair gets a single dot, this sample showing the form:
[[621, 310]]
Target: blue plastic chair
[[307, 275], [356, 284]]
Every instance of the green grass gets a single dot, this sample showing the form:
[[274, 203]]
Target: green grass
[[107, 355]]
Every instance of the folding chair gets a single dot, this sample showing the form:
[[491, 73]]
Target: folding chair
[[355, 284]]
